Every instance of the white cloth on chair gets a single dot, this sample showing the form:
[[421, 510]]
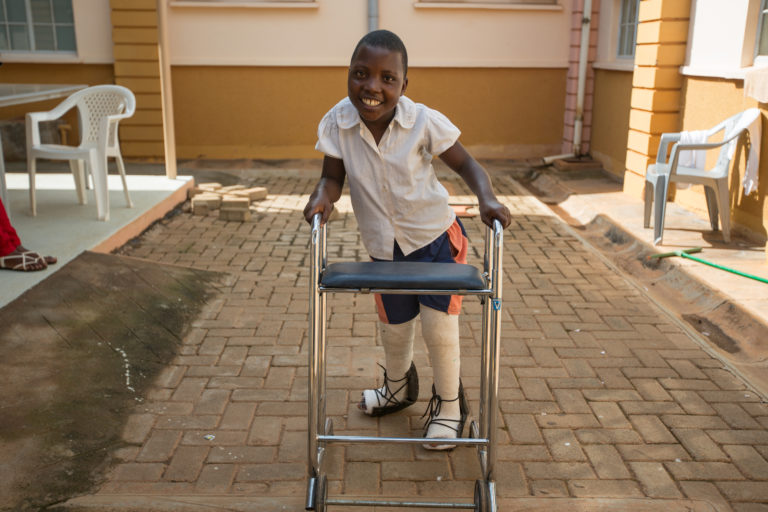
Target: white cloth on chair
[[696, 158], [751, 122], [693, 158]]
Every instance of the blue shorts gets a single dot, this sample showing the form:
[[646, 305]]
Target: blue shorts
[[450, 247]]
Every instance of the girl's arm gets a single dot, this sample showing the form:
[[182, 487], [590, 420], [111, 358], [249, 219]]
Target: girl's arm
[[473, 174], [328, 189]]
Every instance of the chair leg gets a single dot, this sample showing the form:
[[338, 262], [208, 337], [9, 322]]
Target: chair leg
[[659, 208], [724, 204], [32, 164], [121, 169], [712, 207], [78, 173], [649, 187], [98, 167]]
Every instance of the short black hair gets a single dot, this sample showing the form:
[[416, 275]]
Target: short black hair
[[384, 39]]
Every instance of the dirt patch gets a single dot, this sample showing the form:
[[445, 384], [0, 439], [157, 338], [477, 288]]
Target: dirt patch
[[77, 353]]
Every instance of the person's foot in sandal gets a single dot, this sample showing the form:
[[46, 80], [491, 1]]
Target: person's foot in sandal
[[24, 260]]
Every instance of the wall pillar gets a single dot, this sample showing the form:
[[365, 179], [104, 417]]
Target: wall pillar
[[662, 34], [137, 67]]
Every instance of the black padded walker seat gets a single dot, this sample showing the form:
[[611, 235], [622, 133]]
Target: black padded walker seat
[[404, 275]]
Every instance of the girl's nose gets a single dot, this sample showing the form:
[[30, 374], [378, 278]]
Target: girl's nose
[[373, 84]]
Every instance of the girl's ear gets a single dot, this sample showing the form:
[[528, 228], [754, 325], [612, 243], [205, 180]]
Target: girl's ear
[[405, 85]]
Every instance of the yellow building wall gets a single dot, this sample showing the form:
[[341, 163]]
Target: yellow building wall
[[706, 102], [610, 119], [272, 112]]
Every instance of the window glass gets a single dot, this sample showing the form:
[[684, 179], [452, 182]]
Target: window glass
[[65, 38], [762, 36], [16, 10], [37, 25], [41, 11], [19, 37], [62, 10], [627, 28]]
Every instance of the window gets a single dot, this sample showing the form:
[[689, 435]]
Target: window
[[627, 29], [762, 32], [37, 26]]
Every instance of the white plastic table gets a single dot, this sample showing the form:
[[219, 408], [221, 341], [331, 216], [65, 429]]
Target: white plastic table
[[17, 94]]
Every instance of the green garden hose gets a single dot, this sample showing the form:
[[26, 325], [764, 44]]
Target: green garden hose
[[687, 254]]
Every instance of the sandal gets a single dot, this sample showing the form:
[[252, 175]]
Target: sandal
[[24, 261], [433, 410], [387, 400]]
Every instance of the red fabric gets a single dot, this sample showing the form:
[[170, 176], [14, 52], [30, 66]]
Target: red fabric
[[460, 245], [9, 240]]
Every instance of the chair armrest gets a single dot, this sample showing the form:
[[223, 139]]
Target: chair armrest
[[666, 138], [677, 148]]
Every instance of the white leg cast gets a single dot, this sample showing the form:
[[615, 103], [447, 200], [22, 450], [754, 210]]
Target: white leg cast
[[441, 334], [398, 349]]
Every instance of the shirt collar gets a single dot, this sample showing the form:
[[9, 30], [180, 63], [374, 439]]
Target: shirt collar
[[405, 113]]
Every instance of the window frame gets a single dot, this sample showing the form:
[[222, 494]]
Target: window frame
[[30, 31], [761, 59], [622, 27]]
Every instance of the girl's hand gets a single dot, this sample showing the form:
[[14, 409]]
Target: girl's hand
[[492, 209], [318, 203]]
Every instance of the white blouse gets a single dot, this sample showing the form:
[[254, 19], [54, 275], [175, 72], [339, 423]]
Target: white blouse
[[393, 187]]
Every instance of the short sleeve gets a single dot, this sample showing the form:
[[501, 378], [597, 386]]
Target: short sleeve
[[328, 135], [441, 131]]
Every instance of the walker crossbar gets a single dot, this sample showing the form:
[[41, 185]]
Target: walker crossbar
[[398, 440], [412, 278]]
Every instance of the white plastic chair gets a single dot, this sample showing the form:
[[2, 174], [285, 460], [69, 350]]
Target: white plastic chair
[[715, 180], [100, 108]]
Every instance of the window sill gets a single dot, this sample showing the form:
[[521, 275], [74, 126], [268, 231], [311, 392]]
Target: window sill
[[488, 6], [42, 57], [615, 65], [247, 4], [726, 73]]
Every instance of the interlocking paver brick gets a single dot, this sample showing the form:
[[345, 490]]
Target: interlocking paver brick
[[749, 461], [655, 480], [652, 429], [604, 488], [160, 446], [602, 394]]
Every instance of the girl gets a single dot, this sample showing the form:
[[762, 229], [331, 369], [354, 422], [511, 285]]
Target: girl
[[384, 143]]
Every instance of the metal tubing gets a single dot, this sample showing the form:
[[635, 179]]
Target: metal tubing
[[406, 291], [312, 392], [494, 344], [385, 503], [398, 440]]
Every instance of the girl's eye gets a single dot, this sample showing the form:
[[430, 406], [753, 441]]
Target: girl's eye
[[389, 78], [359, 74]]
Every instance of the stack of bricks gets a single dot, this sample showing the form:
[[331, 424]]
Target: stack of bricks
[[233, 202]]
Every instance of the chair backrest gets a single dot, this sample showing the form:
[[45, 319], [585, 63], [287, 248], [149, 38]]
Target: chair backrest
[[99, 101], [732, 128]]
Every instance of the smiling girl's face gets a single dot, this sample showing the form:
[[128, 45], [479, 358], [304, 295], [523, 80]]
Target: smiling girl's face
[[375, 83]]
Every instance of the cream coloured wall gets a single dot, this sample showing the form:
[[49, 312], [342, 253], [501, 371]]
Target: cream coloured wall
[[324, 33]]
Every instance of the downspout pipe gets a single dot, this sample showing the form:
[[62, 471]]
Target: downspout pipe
[[373, 15], [578, 127], [586, 24]]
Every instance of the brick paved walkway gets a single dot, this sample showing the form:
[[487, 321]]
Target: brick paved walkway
[[603, 395]]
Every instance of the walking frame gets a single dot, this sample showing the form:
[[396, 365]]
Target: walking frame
[[406, 278]]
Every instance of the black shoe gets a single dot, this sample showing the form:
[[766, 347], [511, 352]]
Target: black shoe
[[433, 410], [388, 403]]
